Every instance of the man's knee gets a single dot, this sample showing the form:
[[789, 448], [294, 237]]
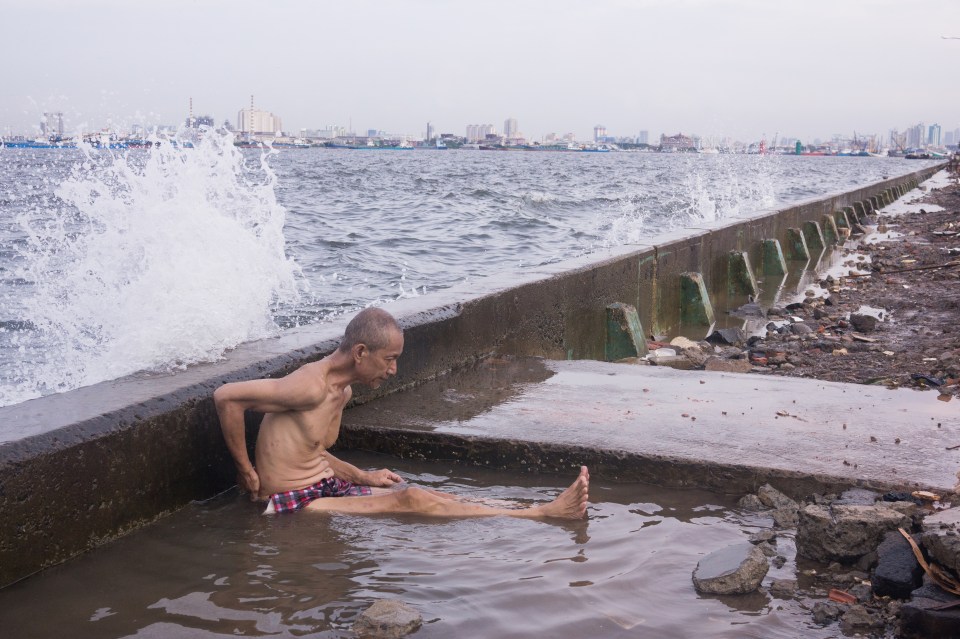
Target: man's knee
[[416, 499]]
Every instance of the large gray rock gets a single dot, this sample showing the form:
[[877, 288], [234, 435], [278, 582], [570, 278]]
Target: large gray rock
[[387, 619], [844, 533], [898, 572], [734, 570], [941, 538]]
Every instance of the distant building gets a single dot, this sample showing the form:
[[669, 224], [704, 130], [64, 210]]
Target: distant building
[[258, 122], [510, 128], [51, 125], [430, 133], [476, 132], [643, 138], [199, 121], [599, 132], [933, 135], [948, 139], [678, 142], [916, 136]]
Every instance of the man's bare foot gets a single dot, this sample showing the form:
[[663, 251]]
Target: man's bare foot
[[572, 502]]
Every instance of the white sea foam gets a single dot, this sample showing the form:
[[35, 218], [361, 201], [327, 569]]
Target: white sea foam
[[154, 260]]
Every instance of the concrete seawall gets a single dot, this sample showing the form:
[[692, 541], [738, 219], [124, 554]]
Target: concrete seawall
[[82, 467]]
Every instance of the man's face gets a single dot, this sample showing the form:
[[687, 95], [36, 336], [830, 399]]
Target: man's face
[[375, 367]]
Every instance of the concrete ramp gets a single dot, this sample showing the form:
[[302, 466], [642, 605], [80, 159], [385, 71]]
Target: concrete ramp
[[729, 432]]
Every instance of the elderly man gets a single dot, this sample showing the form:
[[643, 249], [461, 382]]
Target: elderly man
[[302, 412]]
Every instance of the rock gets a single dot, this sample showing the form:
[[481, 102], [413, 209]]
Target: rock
[[860, 496], [863, 323], [729, 336], [867, 562], [762, 536], [736, 569], [779, 561], [898, 573], [783, 588], [857, 618], [846, 532], [773, 498], [768, 550], [684, 343], [727, 365], [920, 620], [776, 311], [786, 517], [941, 539], [751, 503], [825, 611], [800, 329], [863, 592], [387, 618]]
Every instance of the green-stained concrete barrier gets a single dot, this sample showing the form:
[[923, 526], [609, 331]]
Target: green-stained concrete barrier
[[625, 337], [773, 262], [830, 233], [797, 250], [813, 236], [82, 467], [740, 275], [860, 211], [695, 306], [843, 221]]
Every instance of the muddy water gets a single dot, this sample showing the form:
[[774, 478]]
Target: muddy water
[[218, 569]]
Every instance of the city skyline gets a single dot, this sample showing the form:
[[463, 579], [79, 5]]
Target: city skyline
[[738, 68]]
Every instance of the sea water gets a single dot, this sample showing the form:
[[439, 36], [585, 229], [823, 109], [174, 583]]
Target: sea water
[[113, 262]]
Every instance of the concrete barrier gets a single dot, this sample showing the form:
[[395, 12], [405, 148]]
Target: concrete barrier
[[79, 468]]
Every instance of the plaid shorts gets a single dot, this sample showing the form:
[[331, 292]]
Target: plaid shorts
[[293, 500]]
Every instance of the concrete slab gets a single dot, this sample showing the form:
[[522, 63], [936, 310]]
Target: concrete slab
[[716, 430]]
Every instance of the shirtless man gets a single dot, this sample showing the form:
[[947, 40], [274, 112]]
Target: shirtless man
[[302, 413]]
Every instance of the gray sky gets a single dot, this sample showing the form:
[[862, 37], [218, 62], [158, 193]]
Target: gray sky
[[744, 68]]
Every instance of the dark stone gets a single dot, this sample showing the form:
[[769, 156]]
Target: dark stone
[[920, 619], [728, 336], [863, 323], [825, 611], [783, 588], [898, 573], [796, 306], [800, 329], [859, 618], [900, 497], [828, 301]]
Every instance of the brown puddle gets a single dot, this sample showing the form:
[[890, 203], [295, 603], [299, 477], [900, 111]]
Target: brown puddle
[[219, 569]]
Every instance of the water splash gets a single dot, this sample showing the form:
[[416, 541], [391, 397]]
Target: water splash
[[148, 260]]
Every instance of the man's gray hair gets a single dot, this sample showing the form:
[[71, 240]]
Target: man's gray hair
[[371, 327]]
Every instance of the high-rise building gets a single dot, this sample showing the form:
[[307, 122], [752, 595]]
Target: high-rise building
[[599, 132], [52, 125], [916, 136], [430, 134], [933, 135], [643, 138], [258, 122], [948, 138], [510, 128]]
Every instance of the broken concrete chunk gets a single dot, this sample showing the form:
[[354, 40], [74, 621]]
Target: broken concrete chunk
[[773, 498], [941, 537], [728, 365], [387, 619], [844, 533], [728, 336], [733, 570]]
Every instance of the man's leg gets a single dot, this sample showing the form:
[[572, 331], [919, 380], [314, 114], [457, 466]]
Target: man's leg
[[571, 504]]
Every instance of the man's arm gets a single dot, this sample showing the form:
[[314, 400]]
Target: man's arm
[[296, 391], [349, 472]]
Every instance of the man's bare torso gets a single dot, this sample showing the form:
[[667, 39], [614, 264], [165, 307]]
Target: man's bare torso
[[291, 444]]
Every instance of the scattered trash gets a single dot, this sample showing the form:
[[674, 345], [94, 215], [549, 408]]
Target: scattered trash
[[925, 495], [926, 380], [841, 596], [839, 351]]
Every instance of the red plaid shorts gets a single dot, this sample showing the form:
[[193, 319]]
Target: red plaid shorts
[[293, 500]]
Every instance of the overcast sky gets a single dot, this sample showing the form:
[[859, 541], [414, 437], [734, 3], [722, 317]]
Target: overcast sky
[[745, 68]]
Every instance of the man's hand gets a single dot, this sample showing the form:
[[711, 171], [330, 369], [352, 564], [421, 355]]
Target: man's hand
[[383, 477], [249, 481]]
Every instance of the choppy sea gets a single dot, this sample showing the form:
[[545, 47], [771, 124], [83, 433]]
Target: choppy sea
[[112, 262]]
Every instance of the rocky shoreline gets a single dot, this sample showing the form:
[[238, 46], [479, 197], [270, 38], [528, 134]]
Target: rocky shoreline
[[888, 314]]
